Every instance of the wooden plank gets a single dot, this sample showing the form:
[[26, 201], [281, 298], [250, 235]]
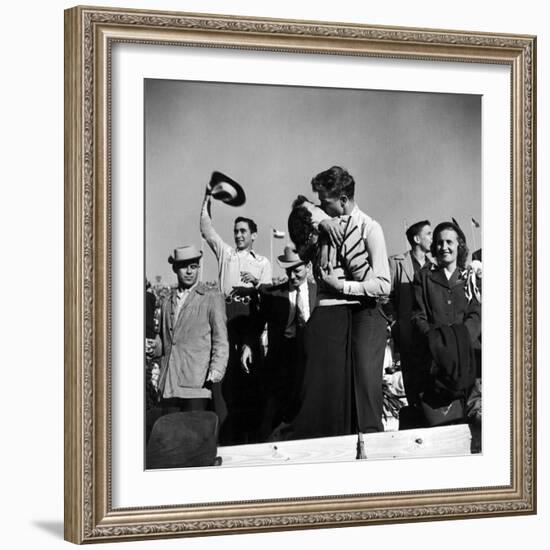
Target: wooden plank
[[421, 443]]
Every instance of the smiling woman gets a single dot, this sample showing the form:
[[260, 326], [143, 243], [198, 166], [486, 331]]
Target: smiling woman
[[449, 246], [448, 317]]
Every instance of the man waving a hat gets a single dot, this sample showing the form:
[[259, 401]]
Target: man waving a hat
[[239, 267], [241, 271]]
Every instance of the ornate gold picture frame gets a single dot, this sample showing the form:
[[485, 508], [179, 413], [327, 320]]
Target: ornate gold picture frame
[[90, 35]]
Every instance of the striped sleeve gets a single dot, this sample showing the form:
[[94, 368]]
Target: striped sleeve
[[377, 280], [353, 251]]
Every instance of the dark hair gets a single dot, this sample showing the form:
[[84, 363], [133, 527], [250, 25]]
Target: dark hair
[[335, 181], [299, 200], [415, 230], [251, 223], [300, 223], [462, 253]]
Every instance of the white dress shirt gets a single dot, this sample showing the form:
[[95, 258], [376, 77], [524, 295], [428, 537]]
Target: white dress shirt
[[232, 262], [181, 296], [290, 330]]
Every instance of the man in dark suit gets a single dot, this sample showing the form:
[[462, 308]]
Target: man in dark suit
[[285, 308]]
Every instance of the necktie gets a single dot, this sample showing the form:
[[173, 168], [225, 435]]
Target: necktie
[[300, 309]]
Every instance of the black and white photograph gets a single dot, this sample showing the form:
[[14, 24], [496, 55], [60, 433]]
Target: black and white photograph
[[313, 274], [300, 260]]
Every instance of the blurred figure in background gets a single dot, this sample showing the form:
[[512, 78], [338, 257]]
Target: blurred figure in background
[[152, 368], [403, 268]]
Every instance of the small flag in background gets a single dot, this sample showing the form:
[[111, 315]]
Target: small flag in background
[[278, 234], [474, 223]]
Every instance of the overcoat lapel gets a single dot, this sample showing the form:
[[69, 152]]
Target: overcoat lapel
[[284, 304], [189, 300], [438, 276], [312, 292], [286, 301], [173, 305], [408, 267]]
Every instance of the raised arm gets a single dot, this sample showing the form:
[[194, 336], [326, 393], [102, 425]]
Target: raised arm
[[208, 232]]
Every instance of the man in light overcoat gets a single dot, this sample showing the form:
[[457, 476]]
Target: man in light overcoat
[[193, 337]]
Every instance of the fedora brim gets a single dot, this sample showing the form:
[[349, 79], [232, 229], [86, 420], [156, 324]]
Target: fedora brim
[[285, 264], [172, 260], [237, 198]]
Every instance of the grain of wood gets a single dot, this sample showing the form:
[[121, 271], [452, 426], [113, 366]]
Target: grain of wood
[[420, 443]]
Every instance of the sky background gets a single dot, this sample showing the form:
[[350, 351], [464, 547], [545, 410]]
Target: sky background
[[413, 156]]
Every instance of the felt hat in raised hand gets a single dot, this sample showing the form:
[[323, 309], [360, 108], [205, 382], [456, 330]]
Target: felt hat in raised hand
[[227, 190]]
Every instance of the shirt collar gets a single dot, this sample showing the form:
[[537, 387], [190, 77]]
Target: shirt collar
[[251, 252], [183, 291], [302, 287], [357, 213]]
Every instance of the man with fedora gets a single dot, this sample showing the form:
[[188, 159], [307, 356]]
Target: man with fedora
[[285, 308], [193, 338], [240, 271]]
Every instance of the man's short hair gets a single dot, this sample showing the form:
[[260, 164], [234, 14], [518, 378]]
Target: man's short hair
[[335, 181], [414, 230], [251, 223]]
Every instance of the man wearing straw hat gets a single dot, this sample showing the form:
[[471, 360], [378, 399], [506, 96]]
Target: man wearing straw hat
[[193, 337], [241, 271]]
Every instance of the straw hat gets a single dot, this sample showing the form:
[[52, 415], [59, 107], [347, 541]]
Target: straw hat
[[185, 254]]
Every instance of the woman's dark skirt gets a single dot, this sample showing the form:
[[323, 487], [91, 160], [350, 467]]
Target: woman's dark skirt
[[327, 397]]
